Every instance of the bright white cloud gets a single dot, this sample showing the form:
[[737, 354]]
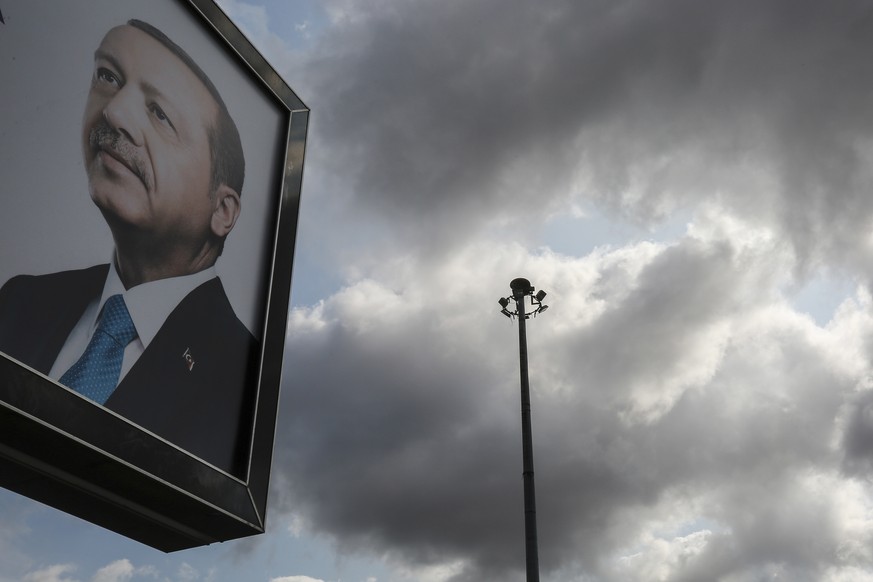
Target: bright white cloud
[[187, 573], [55, 573], [117, 571]]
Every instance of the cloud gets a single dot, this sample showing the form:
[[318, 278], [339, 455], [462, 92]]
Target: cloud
[[123, 570], [494, 113], [118, 571], [13, 529], [295, 579], [686, 418], [187, 572], [55, 573]]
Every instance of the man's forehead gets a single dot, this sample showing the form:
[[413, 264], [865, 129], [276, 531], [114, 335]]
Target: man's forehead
[[128, 41], [142, 55]]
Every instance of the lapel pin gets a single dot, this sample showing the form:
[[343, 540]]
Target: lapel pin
[[189, 359]]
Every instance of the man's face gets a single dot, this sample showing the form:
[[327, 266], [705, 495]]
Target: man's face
[[144, 139]]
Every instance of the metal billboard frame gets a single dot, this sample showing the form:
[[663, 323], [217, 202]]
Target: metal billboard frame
[[63, 450]]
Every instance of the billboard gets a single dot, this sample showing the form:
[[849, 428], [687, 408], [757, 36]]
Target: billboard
[[151, 177]]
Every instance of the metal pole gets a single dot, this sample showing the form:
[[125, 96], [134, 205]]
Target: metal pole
[[530, 509]]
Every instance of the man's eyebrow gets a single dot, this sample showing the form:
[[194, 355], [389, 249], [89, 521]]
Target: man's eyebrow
[[152, 90], [107, 56]]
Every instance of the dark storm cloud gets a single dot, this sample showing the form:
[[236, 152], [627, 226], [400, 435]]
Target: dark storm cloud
[[858, 437], [395, 444], [465, 111], [401, 433]]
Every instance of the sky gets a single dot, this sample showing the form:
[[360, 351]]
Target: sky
[[689, 180]]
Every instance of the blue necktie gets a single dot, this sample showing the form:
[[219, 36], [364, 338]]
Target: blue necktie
[[96, 373]]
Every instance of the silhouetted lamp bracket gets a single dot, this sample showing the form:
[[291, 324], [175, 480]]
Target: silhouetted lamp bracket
[[522, 288]]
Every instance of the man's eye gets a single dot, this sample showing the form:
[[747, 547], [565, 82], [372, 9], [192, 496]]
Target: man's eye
[[106, 76], [159, 114]]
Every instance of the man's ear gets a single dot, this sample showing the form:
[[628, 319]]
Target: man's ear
[[225, 211]]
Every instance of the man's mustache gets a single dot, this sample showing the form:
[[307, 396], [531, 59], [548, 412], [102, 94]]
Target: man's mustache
[[103, 137]]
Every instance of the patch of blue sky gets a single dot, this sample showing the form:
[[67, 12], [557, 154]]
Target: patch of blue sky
[[46, 537], [577, 234], [822, 295], [312, 280], [297, 23], [700, 524], [673, 532], [279, 554]]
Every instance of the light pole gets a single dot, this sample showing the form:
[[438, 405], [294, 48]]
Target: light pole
[[522, 288]]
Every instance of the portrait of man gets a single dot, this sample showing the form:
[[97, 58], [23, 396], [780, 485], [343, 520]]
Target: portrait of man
[[150, 335]]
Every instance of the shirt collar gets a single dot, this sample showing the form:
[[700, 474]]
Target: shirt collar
[[150, 304]]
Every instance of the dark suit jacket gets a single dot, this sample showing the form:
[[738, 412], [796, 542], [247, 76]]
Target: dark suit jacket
[[206, 410]]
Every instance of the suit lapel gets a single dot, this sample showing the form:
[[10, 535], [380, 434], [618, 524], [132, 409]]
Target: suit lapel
[[73, 295], [173, 367]]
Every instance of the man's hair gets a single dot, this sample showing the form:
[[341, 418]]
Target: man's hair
[[225, 146]]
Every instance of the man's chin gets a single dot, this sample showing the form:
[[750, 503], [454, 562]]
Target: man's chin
[[114, 181], [120, 206]]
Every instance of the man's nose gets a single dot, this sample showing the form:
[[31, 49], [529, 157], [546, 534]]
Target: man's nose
[[123, 114]]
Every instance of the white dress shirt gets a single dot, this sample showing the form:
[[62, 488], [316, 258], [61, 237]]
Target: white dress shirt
[[149, 306]]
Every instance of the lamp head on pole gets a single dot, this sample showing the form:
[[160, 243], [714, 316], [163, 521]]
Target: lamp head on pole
[[521, 288]]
